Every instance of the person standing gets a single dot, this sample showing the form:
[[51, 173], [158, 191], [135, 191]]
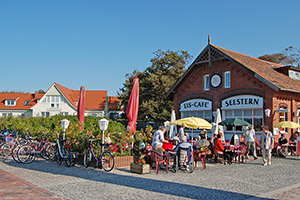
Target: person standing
[[158, 139], [267, 142], [181, 131], [250, 142]]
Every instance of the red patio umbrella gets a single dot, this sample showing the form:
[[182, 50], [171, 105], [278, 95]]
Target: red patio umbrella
[[133, 105], [81, 105]]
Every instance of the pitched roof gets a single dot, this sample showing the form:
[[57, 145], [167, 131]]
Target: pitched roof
[[261, 69], [95, 99], [20, 98], [114, 103], [264, 70]]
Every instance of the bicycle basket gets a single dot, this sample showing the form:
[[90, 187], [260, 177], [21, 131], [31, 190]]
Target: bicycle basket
[[9, 140]]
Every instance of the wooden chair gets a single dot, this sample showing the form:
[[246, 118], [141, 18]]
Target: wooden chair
[[241, 152], [158, 159], [200, 155]]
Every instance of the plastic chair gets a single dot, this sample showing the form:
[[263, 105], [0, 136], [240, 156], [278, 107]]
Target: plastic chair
[[200, 155], [158, 159], [217, 155], [241, 152]]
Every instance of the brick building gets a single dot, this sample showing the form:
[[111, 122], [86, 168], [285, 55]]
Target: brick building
[[241, 86]]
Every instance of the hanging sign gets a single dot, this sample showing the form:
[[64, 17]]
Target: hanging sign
[[243, 101], [283, 110], [196, 104]]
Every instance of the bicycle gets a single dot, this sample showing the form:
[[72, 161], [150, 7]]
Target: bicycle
[[27, 154], [107, 159], [63, 153]]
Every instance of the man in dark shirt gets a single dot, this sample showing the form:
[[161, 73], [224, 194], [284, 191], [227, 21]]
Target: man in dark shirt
[[283, 143]]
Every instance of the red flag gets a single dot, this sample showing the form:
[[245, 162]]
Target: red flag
[[133, 105]]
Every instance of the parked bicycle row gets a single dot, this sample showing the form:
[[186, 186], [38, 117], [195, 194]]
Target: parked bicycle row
[[25, 149]]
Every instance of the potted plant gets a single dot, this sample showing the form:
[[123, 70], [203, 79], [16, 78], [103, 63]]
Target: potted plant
[[140, 166]]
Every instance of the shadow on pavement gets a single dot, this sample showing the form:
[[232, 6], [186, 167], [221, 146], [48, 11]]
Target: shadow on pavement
[[158, 186]]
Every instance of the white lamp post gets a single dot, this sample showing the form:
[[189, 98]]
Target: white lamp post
[[64, 125], [103, 124]]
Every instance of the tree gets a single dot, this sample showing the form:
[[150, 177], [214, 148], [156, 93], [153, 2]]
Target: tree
[[155, 81], [290, 56]]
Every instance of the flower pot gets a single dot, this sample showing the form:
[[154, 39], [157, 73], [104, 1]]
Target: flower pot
[[140, 169]]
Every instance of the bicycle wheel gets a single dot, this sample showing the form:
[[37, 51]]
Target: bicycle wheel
[[87, 158], [107, 161], [26, 154], [49, 152], [15, 153], [7, 149]]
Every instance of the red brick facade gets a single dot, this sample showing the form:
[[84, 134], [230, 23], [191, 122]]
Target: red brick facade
[[243, 81]]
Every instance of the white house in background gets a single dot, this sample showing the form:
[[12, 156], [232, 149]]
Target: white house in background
[[59, 100]]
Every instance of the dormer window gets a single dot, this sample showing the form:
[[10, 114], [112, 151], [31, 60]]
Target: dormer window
[[10, 102], [26, 103]]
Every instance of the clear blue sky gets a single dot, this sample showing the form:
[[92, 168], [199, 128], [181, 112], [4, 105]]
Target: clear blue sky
[[95, 43]]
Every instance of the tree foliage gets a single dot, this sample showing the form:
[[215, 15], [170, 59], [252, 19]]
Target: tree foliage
[[290, 56], [154, 82]]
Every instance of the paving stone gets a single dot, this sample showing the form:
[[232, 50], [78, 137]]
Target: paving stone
[[236, 181]]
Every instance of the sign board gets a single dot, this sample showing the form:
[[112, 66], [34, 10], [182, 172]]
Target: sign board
[[283, 110], [195, 105], [243, 101]]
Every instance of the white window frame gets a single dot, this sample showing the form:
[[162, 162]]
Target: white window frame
[[227, 79], [10, 102], [206, 82]]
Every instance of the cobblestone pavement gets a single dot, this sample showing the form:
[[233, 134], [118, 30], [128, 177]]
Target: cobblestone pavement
[[12, 187], [236, 181]]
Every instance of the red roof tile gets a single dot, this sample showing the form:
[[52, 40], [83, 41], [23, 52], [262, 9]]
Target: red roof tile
[[20, 98], [264, 69]]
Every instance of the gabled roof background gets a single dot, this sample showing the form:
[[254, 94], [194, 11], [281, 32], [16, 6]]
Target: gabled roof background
[[261, 69], [95, 99], [20, 98], [264, 69]]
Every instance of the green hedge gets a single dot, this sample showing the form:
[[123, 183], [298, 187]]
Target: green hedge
[[75, 134]]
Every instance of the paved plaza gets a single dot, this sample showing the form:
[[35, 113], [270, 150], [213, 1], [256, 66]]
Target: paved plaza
[[281, 180]]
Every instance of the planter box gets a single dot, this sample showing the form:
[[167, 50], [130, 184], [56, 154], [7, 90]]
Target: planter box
[[140, 169], [120, 161]]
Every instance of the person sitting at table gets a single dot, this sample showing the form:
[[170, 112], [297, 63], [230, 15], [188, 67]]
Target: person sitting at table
[[187, 136], [294, 137], [219, 148], [167, 145], [282, 143], [175, 140], [203, 142], [234, 139], [183, 149], [242, 139], [212, 139]]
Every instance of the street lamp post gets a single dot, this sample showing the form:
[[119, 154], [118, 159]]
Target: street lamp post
[[64, 125], [103, 124]]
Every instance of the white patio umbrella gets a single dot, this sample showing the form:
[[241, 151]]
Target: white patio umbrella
[[218, 128], [173, 129]]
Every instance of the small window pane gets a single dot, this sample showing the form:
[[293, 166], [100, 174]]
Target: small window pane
[[238, 113], [248, 113], [258, 113]]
